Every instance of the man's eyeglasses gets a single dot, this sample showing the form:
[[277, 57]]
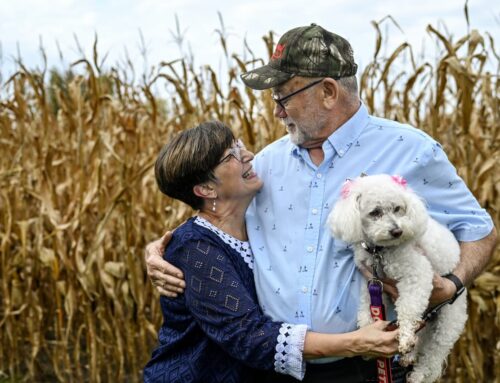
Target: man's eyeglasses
[[281, 101], [234, 151]]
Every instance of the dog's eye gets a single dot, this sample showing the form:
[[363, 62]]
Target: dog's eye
[[375, 213], [397, 209]]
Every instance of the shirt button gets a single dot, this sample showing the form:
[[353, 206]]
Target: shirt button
[[319, 175], [304, 289], [310, 249], [341, 152], [315, 211]]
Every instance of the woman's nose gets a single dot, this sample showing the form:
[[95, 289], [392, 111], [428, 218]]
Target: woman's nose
[[246, 155]]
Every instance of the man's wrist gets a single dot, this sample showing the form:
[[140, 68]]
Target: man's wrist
[[459, 286]]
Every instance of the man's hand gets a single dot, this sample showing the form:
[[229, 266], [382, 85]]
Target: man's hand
[[168, 279]]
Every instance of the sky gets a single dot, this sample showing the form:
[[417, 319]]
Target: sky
[[119, 25]]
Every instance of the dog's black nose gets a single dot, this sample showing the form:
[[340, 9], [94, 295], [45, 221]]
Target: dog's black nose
[[396, 233]]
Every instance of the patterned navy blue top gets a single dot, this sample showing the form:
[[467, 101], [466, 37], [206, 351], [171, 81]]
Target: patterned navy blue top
[[216, 331]]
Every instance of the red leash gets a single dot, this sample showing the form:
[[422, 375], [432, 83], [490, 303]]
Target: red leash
[[377, 311]]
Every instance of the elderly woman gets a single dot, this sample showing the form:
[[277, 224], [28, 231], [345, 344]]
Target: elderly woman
[[216, 331]]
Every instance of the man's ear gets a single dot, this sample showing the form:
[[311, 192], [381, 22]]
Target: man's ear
[[204, 191], [330, 92]]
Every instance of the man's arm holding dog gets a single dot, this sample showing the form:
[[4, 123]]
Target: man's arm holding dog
[[474, 257]]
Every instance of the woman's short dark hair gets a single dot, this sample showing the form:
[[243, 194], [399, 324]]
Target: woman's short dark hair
[[190, 158]]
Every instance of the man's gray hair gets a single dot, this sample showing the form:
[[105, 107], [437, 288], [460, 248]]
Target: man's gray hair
[[350, 84]]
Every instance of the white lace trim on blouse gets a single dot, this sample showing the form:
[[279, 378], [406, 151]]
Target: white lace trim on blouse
[[288, 358], [242, 247]]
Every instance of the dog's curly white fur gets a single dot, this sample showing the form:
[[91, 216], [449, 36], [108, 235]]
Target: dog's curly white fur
[[381, 211]]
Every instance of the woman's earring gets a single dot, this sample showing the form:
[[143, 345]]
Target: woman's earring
[[213, 206]]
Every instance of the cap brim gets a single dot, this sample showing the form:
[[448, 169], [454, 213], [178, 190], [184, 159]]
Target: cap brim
[[265, 77]]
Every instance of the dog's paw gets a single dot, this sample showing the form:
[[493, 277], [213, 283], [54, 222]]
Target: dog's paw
[[407, 359], [415, 377], [406, 344], [405, 348]]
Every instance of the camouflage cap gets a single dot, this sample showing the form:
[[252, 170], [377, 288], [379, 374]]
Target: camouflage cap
[[309, 51]]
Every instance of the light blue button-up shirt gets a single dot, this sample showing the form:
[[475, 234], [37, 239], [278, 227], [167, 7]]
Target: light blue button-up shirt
[[302, 274]]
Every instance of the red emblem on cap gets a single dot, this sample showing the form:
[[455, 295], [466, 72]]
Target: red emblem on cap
[[278, 51]]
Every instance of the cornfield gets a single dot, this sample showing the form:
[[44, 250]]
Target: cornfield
[[78, 199]]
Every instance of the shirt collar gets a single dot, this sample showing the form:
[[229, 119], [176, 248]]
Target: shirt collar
[[344, 137]]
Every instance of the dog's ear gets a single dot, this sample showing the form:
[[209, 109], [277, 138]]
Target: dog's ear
[[416, 212], [344, 220]]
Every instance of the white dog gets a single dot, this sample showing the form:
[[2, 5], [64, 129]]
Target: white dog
[[382, 211]]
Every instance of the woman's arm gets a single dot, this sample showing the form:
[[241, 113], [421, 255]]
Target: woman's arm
[[218, 296], [371, 340]]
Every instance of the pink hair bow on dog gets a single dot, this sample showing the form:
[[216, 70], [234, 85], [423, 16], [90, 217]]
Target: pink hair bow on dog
[[399, 180], [346, 189]]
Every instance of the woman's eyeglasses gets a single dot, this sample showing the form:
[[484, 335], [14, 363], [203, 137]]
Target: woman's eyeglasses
[[234, 151]]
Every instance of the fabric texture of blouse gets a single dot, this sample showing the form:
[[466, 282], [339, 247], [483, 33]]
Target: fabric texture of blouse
[[216, 331]]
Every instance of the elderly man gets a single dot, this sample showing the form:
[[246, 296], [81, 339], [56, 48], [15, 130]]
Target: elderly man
[[302, 274]]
